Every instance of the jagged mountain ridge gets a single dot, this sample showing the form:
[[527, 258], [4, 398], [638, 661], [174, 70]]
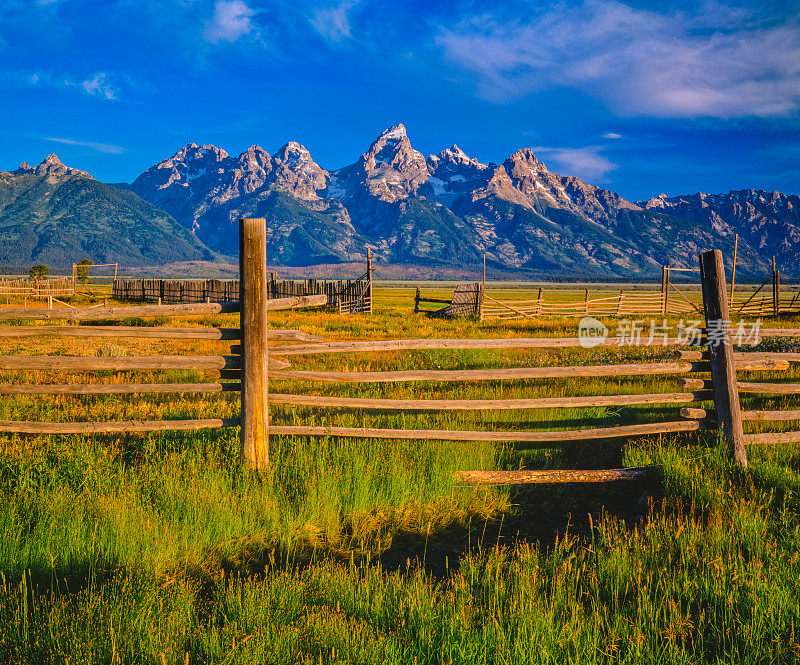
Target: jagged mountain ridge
[[449, 209], [58, 215]]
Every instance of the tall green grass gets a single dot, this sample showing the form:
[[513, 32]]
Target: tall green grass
[[160, 548]]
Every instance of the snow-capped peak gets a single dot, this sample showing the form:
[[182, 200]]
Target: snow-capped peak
[[394, 133]]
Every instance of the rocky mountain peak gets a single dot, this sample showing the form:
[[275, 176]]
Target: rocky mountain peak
[[293, 152], [50, 166], [254, 154], [391, 169], [525, 160], [295, 172], [455, 156]]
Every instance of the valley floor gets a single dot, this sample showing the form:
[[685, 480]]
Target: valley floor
[[160, 548]]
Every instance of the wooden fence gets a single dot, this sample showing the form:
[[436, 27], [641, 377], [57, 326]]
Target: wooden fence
[[671, 299], [246, 363], [467, 300], [250, 363], [350, 296], [37, 288]]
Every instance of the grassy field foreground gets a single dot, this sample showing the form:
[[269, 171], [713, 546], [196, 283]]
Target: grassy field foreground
[[159, 548]]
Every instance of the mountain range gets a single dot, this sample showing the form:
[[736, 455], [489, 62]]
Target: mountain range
[[57, 215], [442, 210]]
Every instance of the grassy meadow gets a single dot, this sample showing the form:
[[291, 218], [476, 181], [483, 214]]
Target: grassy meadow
[[159, 548]]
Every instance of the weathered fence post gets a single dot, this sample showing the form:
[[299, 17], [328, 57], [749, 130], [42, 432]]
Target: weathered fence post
[[663, 290], [720, 350], [253, 318]]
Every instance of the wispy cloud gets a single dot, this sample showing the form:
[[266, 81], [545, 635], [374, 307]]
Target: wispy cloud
[[98, 86], [107, 148], [586, 162], [612, 135], [333, 22], [713, 62], [232, 19]]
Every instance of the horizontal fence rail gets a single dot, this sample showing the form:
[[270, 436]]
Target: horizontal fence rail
[[621, 431], [113, 427], [630, 369], [487, 404]]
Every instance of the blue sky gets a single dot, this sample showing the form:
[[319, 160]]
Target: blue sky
[[682, 98]]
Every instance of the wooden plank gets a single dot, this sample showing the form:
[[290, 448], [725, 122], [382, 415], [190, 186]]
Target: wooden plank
[[633, 369], [770, 388], [723, 363], [472, 435], [115, 388], [771, 416], [694, 414], [486, 404], [409, 344], [552, 476], [109, 313], [113, 427], [295, 302], [779, 332], [746, 356], [116, 363], [254, 436], [695, 384], [772, 438], [151, 332]]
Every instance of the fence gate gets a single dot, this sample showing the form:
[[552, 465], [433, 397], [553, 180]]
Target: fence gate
[[356, 297]]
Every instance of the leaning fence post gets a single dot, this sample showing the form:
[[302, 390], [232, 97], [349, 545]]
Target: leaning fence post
[[253, 319], [720, 350]]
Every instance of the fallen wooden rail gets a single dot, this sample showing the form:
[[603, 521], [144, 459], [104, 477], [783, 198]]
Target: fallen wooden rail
[[474, 435], [113, 427], [552, 476], [486, 404]]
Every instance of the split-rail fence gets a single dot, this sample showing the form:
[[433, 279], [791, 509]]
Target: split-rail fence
[[254, 367], [672, 299]]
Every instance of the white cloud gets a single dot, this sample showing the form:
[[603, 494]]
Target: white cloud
[[713, 63], [333, 23], [99, 86], [587, 163], [231, 20], [612, 135], [99, 147]]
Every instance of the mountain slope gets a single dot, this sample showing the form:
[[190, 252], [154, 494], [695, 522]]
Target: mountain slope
[[207, 190], [768, 223], [450, 209], [56, 215]]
